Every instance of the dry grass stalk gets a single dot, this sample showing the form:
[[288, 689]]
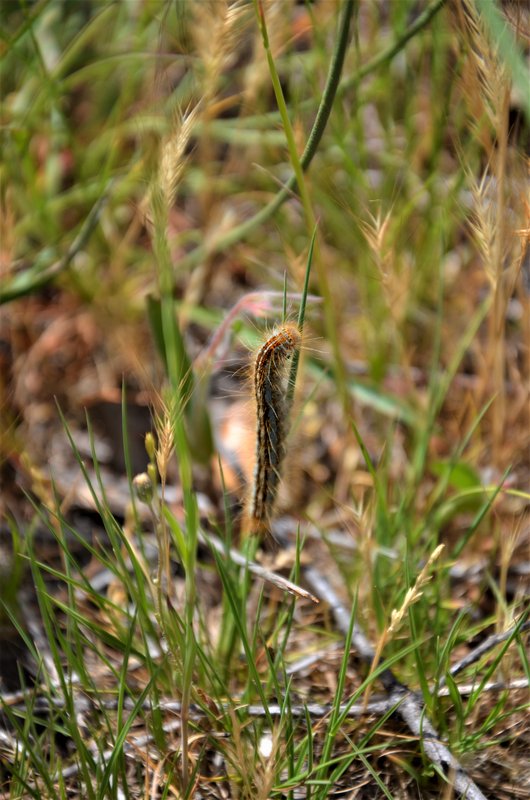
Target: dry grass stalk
[[7, 234], [253, 771], [395, 280], [487, 89], [398, 614], [172, 154], [163, 453], [508, 543], [395, 274], [413, 594], [523, 288], [164, 448], [487, 78], [216, 31]]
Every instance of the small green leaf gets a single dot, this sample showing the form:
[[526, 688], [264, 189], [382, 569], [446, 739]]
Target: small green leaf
[[459, 476]]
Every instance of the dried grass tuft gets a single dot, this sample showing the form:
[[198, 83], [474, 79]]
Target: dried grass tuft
[[172, 156], [165, 442], [497, 205], [216, 30]]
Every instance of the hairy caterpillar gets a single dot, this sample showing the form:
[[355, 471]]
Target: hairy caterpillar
[[271, 379]]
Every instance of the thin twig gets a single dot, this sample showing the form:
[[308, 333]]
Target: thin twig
[[260, 572], [465, 689], [484, 647], [379, 704]]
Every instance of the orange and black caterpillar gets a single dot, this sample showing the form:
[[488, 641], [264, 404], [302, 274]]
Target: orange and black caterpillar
[[271, 380]]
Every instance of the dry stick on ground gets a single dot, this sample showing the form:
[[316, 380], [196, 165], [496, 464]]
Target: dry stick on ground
[[260, 572], [484, 647], [377, 706], [408, 705]]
